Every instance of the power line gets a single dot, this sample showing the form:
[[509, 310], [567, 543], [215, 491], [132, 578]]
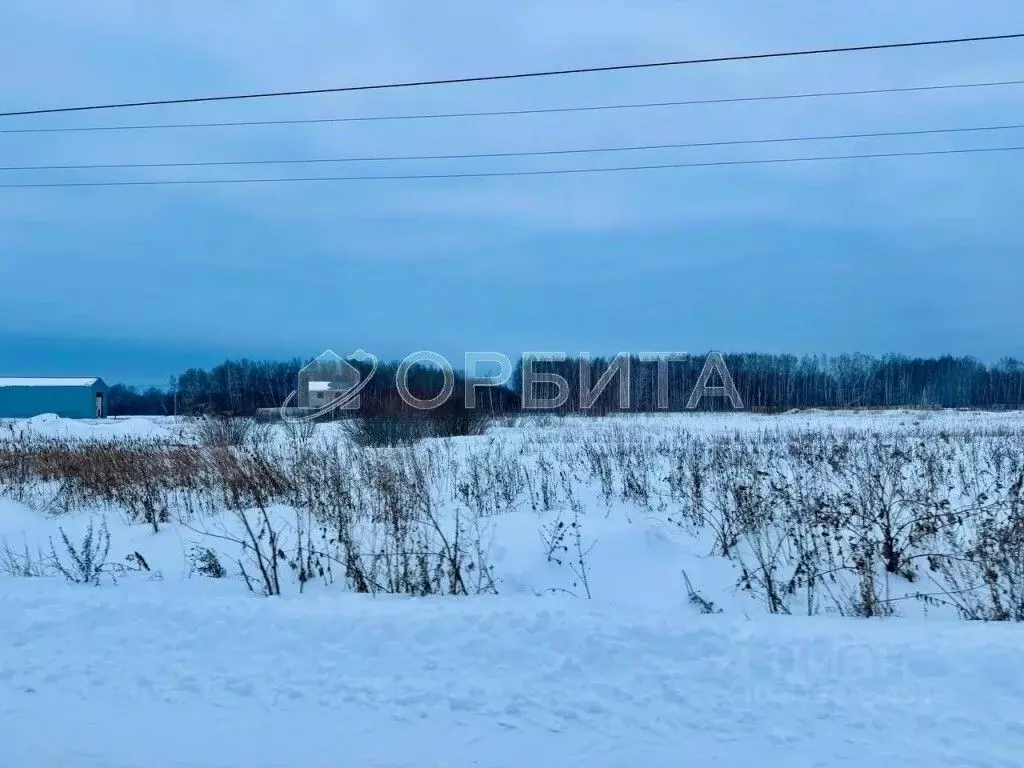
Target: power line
[[504, 174], [518, 75], [533, 153], [511, 112]]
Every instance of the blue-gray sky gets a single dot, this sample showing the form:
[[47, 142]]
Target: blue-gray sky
[[920, 256]]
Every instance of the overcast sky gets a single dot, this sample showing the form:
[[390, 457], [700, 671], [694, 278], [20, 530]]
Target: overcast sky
[[913, 255]]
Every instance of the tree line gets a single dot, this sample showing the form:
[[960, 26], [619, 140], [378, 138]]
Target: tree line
[[776, 382], [764, 382]]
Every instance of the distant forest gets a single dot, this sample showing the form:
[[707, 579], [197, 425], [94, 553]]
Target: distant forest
[[764, 382]]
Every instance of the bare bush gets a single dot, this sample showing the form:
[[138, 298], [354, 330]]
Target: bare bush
[[300, 431], [387, 430], [87, 562], [697, 600], [986, 582], [383, 527], [404, 426], [845, 516], [204, 561], [23, 563], [224, 430], [456, 419]]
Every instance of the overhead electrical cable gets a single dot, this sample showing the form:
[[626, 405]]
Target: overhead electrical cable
[[514, 112], [515, 76], [508, 174], [532, 153]]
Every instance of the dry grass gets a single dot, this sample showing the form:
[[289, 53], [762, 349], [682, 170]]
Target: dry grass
[[841, 520]]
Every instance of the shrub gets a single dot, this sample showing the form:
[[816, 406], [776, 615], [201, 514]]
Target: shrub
[[205, 562], [402, 425], [23, 563], [223, 430], [387, 429], [86, 563]]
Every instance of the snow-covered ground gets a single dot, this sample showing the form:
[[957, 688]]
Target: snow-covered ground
[[167, 668], [156, 675], [699, 422]]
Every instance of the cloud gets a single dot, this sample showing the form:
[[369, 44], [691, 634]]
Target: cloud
[[190, 261]]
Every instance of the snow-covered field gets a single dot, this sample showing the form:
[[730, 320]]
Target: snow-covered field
[[669, 662]]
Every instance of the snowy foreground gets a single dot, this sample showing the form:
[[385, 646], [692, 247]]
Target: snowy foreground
[[171, 670], [152, 677]]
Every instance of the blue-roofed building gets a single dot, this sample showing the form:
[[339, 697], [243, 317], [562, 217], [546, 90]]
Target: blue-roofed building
[[72, 398]]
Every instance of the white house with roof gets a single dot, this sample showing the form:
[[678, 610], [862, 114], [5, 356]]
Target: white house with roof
[[324, 379]]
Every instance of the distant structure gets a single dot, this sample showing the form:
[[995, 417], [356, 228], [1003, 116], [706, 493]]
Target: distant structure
[[22, 398], [324, 379]]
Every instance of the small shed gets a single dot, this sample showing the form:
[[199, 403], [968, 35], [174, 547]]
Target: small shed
[[71, 398]]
